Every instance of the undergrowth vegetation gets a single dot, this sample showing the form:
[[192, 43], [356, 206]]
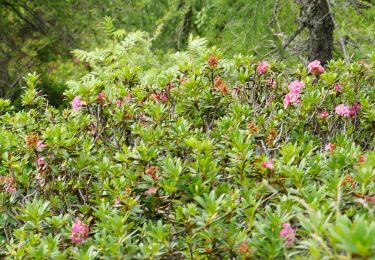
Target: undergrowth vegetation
[[198, 157]]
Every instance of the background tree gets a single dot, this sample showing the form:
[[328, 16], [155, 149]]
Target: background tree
[[39, 35], [315, 15]]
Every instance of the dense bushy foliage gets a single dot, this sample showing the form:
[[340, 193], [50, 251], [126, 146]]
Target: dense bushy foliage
[[38, 35], [201, 157]]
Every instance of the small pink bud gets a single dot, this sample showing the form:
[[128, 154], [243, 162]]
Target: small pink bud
[[268, 165], [40, 145], [262, 68], [330, 147], [323, 114], [151, 190], [288, 233], [338, 88]]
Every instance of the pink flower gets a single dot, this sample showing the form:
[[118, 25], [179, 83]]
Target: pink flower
[[117, 202], [9, 184], [268, 165], [294, 93], [160, 97], [342, 110], [151, 190], [288, 233], [354, 109], [370, 198], [80, 231], [10, 189], [76, 103], [291, 98], [119, 103], [40, 145], [287, 101], [315, 67], [41, 162], [361, 159], [323, 114], [101, 97], [262, 68], [338, 88], [296, 86], [330, 147]]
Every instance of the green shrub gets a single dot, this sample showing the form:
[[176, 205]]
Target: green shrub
[[200, 157]]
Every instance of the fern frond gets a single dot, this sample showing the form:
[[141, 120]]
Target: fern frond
[[197, 46]]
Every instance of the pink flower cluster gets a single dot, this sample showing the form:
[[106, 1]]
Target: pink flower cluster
[[41, 162], [8, 184], [152, 190], [323, 114], [268, 165], [370, 199], [160, 97], [294, 93], [338, 88], [80, 231], [262, 68], [288, 233], [354, 109], [342, 110], [40, 145], [315, 67], [76, 103], [330, 147]]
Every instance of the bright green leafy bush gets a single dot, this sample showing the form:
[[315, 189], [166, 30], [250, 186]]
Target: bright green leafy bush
[[199, 157]]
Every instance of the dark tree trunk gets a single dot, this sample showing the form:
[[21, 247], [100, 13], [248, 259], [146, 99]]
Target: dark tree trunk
[[316, 17], [186, 24]]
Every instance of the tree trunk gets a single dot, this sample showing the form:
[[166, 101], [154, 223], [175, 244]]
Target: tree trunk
[[316, 17], [186, 23]]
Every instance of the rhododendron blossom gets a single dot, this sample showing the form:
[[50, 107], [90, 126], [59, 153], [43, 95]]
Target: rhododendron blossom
[[268, 165], [288, 233], [76, 103], [342, 110], [262, 68], [119, 103], [370, 199], [80, 231], [212, 61], [151, 190], [40, 145], [101, 97], [338, 88], [292, 97], [323, 114], [353, 110], [160, 97], [41, 162], [296, 86], [315, 67], [330, 147], [117, 202], [361, 159]]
